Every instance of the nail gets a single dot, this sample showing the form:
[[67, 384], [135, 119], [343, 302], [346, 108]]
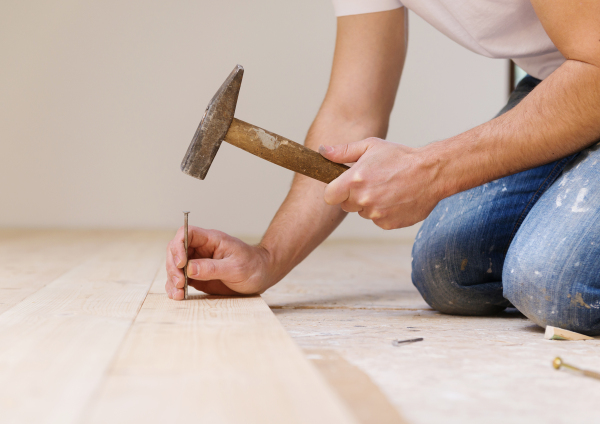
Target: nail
[[175, 280], [192, 269], [177, 260], [325, 149]]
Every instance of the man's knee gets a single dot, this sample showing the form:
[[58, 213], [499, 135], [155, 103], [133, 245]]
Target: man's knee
[[439, 275], [553, 294], [459, 252], [551, 273]]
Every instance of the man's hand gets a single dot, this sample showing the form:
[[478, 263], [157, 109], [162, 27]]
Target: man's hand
[[218, 264], [391, 184]]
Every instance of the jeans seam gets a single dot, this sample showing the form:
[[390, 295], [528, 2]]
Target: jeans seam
[[538, 193]]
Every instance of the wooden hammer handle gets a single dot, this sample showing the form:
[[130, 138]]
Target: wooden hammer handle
[[283, 152]]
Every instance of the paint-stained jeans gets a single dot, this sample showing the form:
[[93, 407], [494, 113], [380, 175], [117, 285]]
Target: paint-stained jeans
[[531, 240]]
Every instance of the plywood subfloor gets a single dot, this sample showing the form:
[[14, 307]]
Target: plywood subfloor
[[355, 298]]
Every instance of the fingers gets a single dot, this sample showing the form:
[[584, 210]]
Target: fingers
[[212, 287], [345, 153], [175, 279], [339, 190], [213, 269], [380, 219], [209, 287], [351, 207], [372, 214], [398, 217], [198, 239], [357, 201], [347, 191], [174, 274], [177, 294], [221, 264], [204, 241], [176, 250]]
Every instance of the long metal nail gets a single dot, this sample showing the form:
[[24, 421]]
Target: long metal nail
[[558, 364], [185, 244], [403, 342]]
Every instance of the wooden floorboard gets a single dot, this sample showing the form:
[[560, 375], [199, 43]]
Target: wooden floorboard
[[366, 401], [212, 360], [71, 352], [30, 259], [57, 343]]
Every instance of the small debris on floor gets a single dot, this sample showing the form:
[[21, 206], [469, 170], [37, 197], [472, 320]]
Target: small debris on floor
[[558, 364], [404, 342], [555, 333]]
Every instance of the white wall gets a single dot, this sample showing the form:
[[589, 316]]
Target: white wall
[[99, 100]]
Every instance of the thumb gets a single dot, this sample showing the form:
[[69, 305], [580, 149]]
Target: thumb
[[210, 269], [345, 153]]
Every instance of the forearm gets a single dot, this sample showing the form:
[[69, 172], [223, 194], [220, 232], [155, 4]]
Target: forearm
[[368, 61], [396, 186], [558, 118], [304, 220]]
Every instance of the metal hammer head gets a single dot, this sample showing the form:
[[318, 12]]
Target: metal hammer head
[[213, 126]]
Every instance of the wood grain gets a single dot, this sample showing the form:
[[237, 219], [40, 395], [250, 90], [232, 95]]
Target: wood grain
[[283, 152], [214, 360], [30, 259], [366, 401], [56, 345]]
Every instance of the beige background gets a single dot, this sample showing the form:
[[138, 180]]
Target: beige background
[[99, 100]]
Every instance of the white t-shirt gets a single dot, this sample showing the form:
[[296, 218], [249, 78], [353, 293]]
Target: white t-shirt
[[492, 28]]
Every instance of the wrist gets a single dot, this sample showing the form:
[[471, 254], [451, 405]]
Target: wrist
[[437, 159], [461, 162], [269, 265]]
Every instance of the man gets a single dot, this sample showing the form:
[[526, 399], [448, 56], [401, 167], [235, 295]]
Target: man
[[511, 207]]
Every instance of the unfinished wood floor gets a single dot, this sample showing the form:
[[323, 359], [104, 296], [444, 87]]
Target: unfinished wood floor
[[87, 335]]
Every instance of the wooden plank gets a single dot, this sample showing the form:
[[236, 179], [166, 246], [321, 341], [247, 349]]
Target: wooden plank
[[56, 345], [30, 259], [158, 286], [555, 333], [214, 360], [366, 401]]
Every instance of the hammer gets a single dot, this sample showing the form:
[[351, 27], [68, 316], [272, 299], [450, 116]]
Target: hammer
[[218, 124]]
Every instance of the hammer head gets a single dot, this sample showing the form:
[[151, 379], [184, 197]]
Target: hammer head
[[213, 126]]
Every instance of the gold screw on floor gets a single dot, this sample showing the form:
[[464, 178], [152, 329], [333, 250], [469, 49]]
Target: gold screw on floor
[[558, 364], [185, 245]]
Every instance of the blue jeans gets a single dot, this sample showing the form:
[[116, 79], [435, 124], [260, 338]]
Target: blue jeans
[[529, 240]]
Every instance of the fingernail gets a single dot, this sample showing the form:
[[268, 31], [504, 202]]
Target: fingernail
[[175, 280], [325, 149], [176, 260], [192, 269]]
